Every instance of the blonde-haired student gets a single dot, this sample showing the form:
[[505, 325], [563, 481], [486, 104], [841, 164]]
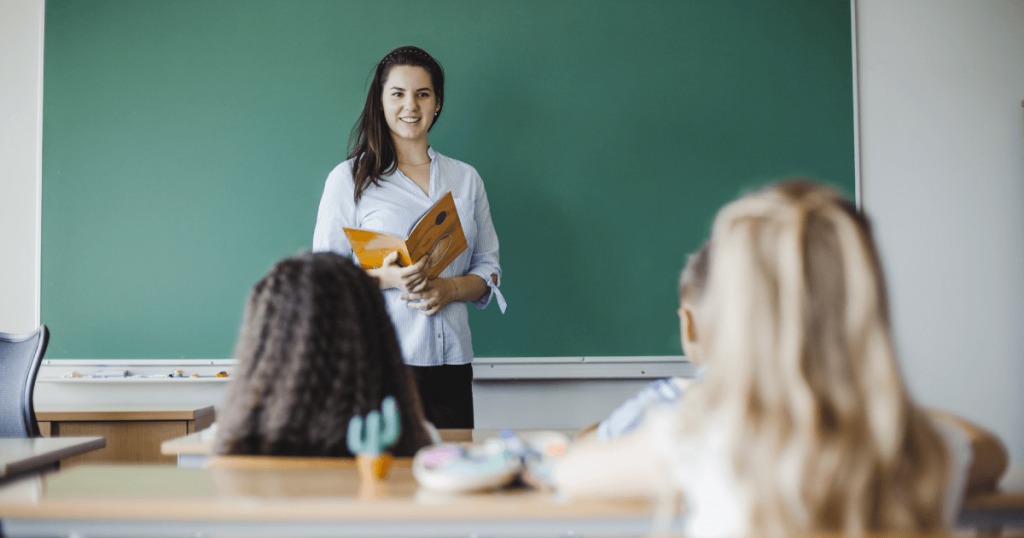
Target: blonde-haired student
[[802, 422]]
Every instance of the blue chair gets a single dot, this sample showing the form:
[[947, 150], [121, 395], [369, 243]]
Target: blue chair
[[20, 356]]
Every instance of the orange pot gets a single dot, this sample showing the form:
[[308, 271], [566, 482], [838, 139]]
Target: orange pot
[[374, 466]]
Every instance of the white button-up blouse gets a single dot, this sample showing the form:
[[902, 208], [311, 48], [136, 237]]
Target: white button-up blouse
[[394, 207]]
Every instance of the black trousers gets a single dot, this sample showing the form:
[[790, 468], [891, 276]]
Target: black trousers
[[447, 394]]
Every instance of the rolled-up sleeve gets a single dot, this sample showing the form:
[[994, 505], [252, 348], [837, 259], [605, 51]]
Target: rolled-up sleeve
[[484, 261], [337, 211]]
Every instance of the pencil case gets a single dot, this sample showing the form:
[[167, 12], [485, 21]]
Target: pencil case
[[461, 468]]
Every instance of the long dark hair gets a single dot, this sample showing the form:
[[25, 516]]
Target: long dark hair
[[370, 143], [316, 347]]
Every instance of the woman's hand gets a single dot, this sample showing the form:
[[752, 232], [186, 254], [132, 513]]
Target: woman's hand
[[391, 275], [437, 293]]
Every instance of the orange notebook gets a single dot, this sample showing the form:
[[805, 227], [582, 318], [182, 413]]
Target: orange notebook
[[437, 234]]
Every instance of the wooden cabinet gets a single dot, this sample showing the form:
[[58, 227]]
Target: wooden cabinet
[[133, 433]]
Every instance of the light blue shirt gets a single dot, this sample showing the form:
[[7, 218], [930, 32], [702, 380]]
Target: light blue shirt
[[628, 416], [394, 207]]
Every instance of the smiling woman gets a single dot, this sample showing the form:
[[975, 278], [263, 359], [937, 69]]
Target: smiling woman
[[392, 177]]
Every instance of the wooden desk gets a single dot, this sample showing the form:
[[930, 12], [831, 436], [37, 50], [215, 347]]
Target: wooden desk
[[21, 456], [154, 500], [192, 450], [133, 433], [147, 500]]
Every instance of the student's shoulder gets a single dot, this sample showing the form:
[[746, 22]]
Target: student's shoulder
[[973, 446]]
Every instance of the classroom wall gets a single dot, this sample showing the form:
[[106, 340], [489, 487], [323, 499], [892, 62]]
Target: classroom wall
[[942, 177], [21, 65]]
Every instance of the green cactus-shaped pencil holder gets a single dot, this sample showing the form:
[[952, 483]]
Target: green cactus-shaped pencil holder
[[369, 439]]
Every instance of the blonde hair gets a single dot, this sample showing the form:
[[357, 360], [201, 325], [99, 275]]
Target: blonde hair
[[820, 431]]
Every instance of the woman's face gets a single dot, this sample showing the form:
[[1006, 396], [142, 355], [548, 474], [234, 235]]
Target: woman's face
[[409, 102]]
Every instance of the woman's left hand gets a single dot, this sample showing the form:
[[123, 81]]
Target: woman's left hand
[[437, 293]]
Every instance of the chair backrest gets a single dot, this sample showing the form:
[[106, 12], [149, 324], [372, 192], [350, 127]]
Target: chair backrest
[[20, 356]]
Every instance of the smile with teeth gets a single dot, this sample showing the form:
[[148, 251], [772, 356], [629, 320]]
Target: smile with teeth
[[410, 120]]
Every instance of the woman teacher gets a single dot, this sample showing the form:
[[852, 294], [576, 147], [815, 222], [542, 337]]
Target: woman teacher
[[391, 178]]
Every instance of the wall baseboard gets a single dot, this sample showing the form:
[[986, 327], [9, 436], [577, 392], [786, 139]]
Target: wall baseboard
[[517, 392]]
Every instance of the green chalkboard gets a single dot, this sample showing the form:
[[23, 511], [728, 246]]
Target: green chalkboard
[[186, 144]]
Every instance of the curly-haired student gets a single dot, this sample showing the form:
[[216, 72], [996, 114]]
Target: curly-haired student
[[315, 347]]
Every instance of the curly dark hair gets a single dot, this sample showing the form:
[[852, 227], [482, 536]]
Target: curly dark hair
[[316, 347]]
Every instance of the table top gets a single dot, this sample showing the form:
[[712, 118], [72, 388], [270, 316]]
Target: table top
[[19, 455], [294, 500], [151, 493], [201, 442], [122, 412]]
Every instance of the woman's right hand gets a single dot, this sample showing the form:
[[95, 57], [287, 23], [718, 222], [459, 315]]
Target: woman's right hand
[[391, 275]]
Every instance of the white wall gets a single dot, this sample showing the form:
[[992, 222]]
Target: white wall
[[942, 168], [21, 69]]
